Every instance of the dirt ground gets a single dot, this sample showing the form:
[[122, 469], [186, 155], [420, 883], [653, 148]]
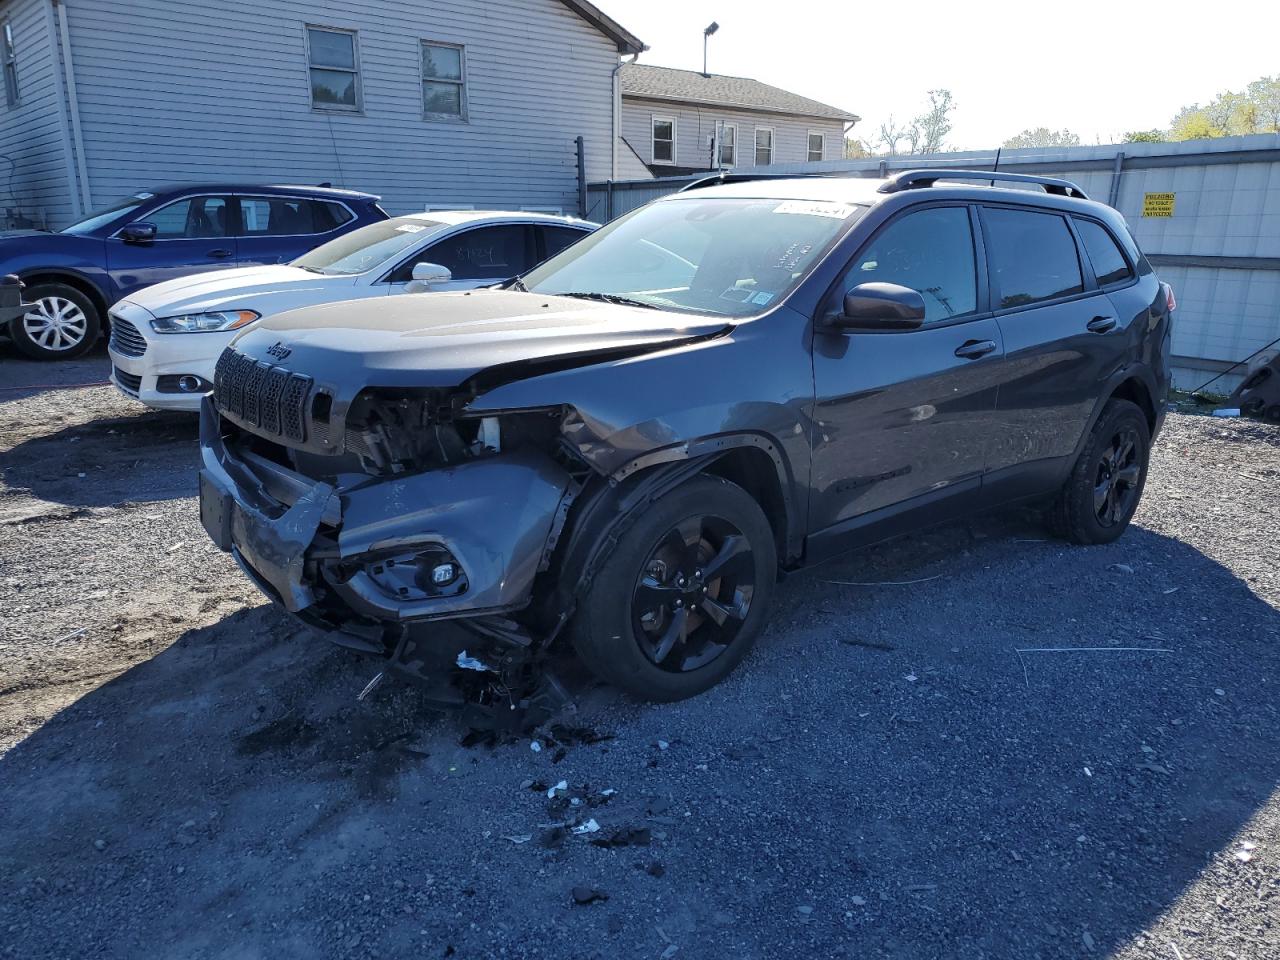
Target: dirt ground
[[907, 766]]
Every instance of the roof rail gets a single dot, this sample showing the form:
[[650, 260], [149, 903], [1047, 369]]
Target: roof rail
[[912, 179], [718, 178]]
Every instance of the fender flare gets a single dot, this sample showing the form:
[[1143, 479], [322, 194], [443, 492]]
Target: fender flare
[[1133, 371]]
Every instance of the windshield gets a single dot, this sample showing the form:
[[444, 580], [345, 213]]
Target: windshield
[[717, 255], [107, 214], [366, 248]]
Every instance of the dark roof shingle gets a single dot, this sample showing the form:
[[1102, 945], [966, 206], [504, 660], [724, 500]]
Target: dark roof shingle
[[690, 86]]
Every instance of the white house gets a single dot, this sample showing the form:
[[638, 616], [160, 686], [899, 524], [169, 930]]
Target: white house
[[680, 121], [456, 103]]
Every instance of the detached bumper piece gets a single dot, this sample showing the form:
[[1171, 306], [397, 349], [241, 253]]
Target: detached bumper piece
[[379, 560]]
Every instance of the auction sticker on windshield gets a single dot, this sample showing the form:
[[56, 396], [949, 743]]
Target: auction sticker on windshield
[[815, 208], [410, 228]]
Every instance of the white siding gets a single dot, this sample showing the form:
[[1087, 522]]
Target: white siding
[[225, 95], [695, 125], [33, 172]]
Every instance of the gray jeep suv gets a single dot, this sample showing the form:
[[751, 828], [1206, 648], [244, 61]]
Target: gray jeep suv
[[623, 448]]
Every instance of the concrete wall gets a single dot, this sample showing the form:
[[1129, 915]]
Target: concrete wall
[[1220, 249]]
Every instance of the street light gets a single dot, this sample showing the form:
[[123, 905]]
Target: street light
[[706, 33]]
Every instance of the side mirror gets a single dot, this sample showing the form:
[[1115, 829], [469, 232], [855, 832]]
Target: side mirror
[[880, 306], [426, 274], [140, 232]]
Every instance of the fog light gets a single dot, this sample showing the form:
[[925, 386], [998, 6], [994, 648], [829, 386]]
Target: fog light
[[443, 574], [188, 384]]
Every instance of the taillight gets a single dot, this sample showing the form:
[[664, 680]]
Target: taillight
[[1170, 299]]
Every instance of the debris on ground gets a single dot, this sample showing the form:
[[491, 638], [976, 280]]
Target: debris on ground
[[629, 836], [584, 896]]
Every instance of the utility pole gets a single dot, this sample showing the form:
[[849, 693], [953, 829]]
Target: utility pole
[[706, 34]]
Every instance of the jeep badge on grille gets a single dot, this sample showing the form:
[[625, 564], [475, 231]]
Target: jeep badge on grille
[[279, 350]]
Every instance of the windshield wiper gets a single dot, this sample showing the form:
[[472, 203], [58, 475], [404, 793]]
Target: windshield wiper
[[515, 283], [318, 270], [611, 298]]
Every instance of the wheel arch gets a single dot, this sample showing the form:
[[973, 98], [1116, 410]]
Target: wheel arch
[[71, 279]]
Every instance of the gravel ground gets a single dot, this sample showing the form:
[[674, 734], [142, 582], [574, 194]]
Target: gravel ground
[[186, 773]]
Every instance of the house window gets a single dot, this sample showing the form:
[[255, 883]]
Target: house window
[[764, 146], [444, 85], [664, 140], [817, 146], [335, 69], [728, 145], [10, 65]]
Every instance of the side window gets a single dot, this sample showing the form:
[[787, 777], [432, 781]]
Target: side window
[[555, 239], [485, 253], [1033, 257], [191, 219], [1109, 264], [664, 140], [930, 251], [289, 216]]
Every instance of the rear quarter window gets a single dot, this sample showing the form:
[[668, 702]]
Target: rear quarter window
[[1109, 264]]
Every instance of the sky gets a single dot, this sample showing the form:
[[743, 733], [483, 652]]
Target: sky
[[1098, 69]]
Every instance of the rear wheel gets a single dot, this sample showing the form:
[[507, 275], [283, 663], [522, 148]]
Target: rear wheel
[[682, 596], [63, 325], [1101, 495]]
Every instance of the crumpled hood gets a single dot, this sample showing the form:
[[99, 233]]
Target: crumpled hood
[[444, 339], [249, 288]]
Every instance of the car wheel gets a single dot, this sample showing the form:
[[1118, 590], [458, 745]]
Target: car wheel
[[1100, 497], [681, 598], [64, 324]]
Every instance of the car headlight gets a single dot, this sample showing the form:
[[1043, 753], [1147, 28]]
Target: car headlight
[[204, 322]]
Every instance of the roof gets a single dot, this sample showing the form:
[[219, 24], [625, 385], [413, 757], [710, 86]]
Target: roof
[[459, 217], [865, 191], [312, 191], [627, 42], [689, 86]]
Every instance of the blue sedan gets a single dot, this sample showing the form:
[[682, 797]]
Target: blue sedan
[[75, 275]]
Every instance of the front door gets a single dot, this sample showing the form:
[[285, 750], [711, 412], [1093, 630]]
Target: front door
[[905, 417], [193, 235]]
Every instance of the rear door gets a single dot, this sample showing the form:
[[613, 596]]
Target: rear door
[[279, 229], [475, 256], [906, 416], [193, 234], [1062, 340]]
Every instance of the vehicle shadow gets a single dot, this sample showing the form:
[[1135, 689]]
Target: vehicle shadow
[[21, 378], [145, 457], [886, 759]]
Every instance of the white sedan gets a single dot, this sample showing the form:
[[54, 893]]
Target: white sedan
[[166, 339]]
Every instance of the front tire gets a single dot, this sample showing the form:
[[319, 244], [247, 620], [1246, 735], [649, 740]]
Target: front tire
[[1101, 495], [681, 598], [64, 325]]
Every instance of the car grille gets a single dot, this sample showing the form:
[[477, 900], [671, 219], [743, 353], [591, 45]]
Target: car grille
[[125, 338], [261, 395], [127, 380]]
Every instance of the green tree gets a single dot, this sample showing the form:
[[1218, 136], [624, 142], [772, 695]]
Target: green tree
[[928, 132], [1043, 137], [1256, 109], [1145, 136]]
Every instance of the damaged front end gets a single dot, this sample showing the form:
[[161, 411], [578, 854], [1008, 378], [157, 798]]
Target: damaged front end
[[405, 515]]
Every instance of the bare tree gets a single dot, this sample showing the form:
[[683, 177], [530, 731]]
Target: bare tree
[[890, 136]]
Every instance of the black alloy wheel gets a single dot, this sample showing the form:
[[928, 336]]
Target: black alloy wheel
[[1116, 485], [694, 594]]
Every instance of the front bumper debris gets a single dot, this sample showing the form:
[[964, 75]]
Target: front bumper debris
[[313, 546]]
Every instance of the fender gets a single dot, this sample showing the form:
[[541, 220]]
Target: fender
[[1143, 374]]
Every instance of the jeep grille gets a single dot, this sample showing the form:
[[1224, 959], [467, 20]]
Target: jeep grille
[[260, 395]]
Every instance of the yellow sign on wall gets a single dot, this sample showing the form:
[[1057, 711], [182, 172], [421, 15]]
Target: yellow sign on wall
[[1157, 204]]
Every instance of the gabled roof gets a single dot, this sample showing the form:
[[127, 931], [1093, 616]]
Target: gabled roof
[[627, 42], [743, 93]]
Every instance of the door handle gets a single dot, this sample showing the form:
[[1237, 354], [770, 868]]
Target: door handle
[[1101, 324], [220, 253], [973, 349]]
